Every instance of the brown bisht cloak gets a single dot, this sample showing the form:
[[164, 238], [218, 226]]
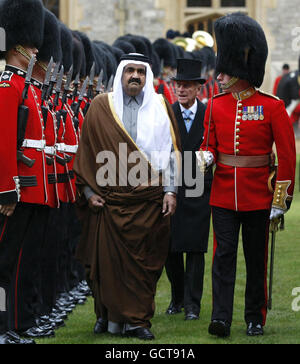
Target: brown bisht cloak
[[126, 243]]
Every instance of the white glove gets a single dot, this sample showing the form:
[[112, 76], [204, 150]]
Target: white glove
[[276, 213], [205, 158]]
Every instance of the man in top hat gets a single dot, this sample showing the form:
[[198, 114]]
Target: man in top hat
[[191, 221], [125, 215], [241, 126], [23, 181]]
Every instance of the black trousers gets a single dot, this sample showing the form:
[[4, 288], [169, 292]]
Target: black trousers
[[186, 282], [26, 295], [15, 232], [255, 236]]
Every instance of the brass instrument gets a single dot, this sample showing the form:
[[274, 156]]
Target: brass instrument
[[203, 39]]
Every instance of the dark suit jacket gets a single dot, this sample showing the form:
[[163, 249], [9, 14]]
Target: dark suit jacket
[[191, 222]]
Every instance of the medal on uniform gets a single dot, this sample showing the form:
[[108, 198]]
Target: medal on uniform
[[245, 113], [261, 113], [256, 113], [250, 113]]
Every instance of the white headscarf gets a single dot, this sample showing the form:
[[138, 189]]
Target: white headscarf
[[153, 124]]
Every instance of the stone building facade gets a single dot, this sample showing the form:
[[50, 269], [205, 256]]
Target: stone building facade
[[106, 20]]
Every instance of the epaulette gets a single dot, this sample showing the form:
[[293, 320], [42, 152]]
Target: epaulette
[[221, 94], [6, 76], [270, 95]]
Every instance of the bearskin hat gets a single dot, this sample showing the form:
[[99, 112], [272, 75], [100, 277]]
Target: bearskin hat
[[88, 50], [166, 52], [51, 46], [126, 46], [23, 22], [79, 61], [242, 48], [66, 46]]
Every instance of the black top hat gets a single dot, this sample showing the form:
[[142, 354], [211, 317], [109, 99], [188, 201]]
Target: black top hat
[[189, 70]]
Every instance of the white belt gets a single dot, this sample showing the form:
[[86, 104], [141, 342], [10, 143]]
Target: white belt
[[50, 150], [36, 144], [64, 148]]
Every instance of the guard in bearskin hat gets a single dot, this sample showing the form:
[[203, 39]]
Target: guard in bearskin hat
[[167, 55], [241, 126], [23, 184]]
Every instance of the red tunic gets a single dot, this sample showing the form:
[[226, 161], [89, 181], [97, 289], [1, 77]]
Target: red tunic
[[50, 135], [246, 189], [12, 83]]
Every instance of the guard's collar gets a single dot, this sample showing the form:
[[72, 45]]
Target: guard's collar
[[15, 70], [36, 83], [246, 94]]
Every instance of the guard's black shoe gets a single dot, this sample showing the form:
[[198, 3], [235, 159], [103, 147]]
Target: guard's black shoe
[[219, 328], [101, 326], [254, 329], [37, 332], [141, 333], [174, 309], [12, 337], [191, 316]]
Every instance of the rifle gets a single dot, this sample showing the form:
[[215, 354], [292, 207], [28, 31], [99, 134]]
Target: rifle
[[60, 160], [110, 83], [78, 104], [45, 91], [52, 83], [62, 111], [274, 227], [57, 94], [90, 92], [99, 83], [76, 84], [23, 112]]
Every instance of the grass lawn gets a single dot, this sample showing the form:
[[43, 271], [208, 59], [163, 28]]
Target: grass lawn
[[283, 323]]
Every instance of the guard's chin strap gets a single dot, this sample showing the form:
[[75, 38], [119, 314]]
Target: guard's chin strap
[[231, 83], [23, 51], [42, 65]]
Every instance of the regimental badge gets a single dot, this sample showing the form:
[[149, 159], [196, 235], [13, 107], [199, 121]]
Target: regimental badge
[[4, 85], [6, 76]]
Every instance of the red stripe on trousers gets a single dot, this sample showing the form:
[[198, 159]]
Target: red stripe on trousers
[[16, 290], [3, 230], [264, 308]]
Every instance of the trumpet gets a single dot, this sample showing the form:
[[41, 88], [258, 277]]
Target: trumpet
[[203, 39]]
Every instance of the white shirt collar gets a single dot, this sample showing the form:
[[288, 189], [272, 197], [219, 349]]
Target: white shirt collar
[[193, 109]]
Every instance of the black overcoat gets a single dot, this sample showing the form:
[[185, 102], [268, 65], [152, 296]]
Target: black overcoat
[[191, 222]]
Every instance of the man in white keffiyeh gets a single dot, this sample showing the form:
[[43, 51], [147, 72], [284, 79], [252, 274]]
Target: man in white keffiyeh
[[126, 240]]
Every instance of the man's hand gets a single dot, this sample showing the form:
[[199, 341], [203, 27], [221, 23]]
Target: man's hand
[[169, 205], [96, 202], [7, 210]]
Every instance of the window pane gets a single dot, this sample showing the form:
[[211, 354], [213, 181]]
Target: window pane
[[198, 3], [233, 3]]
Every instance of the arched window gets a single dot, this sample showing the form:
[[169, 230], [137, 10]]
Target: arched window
[[53, 6]]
